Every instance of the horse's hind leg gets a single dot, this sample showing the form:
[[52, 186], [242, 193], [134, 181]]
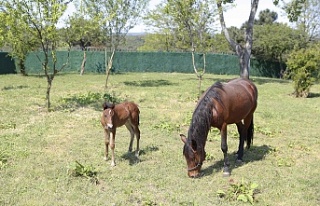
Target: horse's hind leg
[[130, 128], [242, 136], [224, 148], [137, 132]]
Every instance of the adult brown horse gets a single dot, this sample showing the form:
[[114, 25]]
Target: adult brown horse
[[222, 104], [114, 116]]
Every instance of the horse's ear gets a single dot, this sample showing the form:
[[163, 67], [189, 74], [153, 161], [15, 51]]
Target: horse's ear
[[183, 138], [104, 106], [194, 145]]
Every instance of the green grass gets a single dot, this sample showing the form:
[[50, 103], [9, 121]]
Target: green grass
[[39, 149]]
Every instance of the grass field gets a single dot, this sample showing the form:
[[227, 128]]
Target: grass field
[[39, 149]]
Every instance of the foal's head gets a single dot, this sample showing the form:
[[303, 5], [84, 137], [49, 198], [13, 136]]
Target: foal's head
[[193, 157], [107, 115]]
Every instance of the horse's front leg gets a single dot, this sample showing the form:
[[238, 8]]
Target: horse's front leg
[[112, 146], [224, 148], [106, 142]]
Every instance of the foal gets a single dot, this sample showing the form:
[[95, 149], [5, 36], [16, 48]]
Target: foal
[[114, 116]]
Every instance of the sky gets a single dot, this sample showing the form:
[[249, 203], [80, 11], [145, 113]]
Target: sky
[[233, 17]]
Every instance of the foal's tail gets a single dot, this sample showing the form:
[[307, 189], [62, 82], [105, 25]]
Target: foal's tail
[[250, 134]]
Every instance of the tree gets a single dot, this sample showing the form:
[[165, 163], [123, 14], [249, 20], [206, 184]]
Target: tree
[[309, 20], [191, 19], [2, 28], [39, 19], [272, 45], [84, 30], [243, 51], [117, 17], [184, 25], [179, 23], [220, 44], [157, 42], [304, 69], [266, 17], [293, 9], [17, 35]]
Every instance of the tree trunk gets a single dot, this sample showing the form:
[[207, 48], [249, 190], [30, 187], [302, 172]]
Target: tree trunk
[[22, 67], [244, 62], [243, 52], [83, 64], [49, 85], [109, 67]]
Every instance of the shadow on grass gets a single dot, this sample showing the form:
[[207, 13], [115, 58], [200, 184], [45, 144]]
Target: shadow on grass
[[262, 80], [256, 80], [14, 87], [40, 75], [314, 95], [149, 83], [255, 153], [131, 157]]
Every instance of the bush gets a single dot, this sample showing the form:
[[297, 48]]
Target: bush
[[303, 69]]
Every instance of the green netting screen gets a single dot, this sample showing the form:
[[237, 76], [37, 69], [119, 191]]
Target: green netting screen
[[6, 64], [147, 62]]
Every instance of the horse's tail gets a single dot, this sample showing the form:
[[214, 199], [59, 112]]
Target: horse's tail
[[250, 134]]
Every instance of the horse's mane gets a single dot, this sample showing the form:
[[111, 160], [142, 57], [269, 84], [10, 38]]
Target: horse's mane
[[202, 115]]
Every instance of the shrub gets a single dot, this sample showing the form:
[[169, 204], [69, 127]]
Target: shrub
[[303, 69]]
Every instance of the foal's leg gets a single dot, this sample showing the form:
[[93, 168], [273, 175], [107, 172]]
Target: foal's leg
[[106, 141], [112, 146], [129, 127], [224, 148], [242, 136], [137, 132]]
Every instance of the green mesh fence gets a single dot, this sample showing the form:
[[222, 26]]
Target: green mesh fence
[[147, 62], [6, 64]]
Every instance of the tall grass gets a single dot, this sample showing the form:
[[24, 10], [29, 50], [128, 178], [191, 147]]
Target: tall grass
[[39, 149]]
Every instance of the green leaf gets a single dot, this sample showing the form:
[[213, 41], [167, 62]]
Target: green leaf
[[254, 185], [221, 193], [242, 197]]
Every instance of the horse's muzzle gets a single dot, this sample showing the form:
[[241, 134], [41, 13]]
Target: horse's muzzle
[[109, 126]]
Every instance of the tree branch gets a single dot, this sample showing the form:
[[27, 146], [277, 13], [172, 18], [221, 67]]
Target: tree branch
[[224, 28]]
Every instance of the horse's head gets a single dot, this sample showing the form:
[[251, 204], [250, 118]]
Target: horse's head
[[193, 157], [107, 118]]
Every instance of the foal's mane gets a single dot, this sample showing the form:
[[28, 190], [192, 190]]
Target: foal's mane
[[202, 115], [107, 105]]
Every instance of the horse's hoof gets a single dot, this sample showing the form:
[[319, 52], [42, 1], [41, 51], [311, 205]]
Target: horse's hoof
[[137, 154], [226, 174], [239, 162], [105, 158], [113, 164]]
